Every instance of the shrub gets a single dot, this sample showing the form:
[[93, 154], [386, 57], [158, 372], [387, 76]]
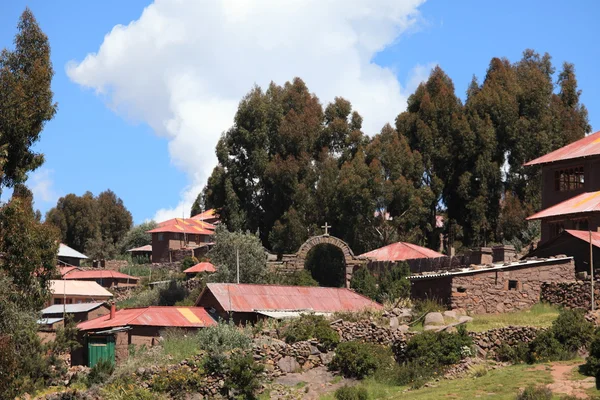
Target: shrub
[[592, 362], [513, 354], [126, 389], [393, 283], [100, 372], [351, 393], [365, 283], [545, 347], [535, 393], [297, 278], [438, 349], [174, 292], [412, 373], [358, 360], [188, 262], [219, 340], [243, 376], [176, 381], [572, 330], [311, 326]]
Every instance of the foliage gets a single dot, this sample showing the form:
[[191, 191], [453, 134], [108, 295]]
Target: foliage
[[358, 360], [100, 372], [296, 278], [535, 393], [572, 330], [143, 298], [365, 283], [137, 236], [311, 326], [66, 337], [243, 377], [437, 349], [172, 293], [176, 381], [546, 347], [188, 262], [92, 225], [592, 362], [219, 340], [126, 389], [423, 307], [252, 257], [327, 265], [192, 297], [351, 393], [393, 284], [513, 354]]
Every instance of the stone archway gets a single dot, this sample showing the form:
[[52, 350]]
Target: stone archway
[[295, 262]]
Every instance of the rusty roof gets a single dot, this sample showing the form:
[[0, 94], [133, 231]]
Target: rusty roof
[[184, 225], [88, 289], [147, 247], [65, 270], [207, 215], [177, 317], [99, 274], [588, 146], [583, 203], [585, 236], [249, 298], [201, 267], [401, 251]]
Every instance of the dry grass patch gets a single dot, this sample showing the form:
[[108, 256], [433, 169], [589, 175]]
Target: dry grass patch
[[540, 315]]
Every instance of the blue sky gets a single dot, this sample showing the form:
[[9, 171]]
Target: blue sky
[[121, 139]]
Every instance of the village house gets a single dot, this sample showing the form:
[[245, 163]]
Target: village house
[[52, 317], [177, 238], [246, 303], [202, 267], [570, 188], [76, 292], [104, 278], [492, 288], [417, 257], [69, 257], [211, 216], [572, 243], [144, 252], [110, 336]]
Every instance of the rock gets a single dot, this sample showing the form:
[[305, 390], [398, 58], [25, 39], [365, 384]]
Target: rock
[[434, 318], [451, 315], [465, 319], [288, 364], [431, 327], [314, 350], [403, 328], [326, 357], [394, 323]]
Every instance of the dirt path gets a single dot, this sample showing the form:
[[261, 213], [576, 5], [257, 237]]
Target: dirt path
[[563, 383], [309, 385]]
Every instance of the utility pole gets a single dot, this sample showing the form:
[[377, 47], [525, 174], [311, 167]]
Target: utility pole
[[592, 270], [237, 261]]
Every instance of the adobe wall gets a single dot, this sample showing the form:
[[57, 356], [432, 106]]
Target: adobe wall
[[489, 292]]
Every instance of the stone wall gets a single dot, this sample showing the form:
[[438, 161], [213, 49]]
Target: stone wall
[[488, 342], [506, 290], [573, 294]]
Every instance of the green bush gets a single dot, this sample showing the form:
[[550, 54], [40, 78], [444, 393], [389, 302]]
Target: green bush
[[243, 376], [365, 283], [100, 372], [358, 359], [438, 349], [393, 284], [572, 330], [126, 389], [592, 362], [545, 347], [535, 393], [176, 381], [188, 262], [219, 340], [513, 354], [311, 326], [351, 393]]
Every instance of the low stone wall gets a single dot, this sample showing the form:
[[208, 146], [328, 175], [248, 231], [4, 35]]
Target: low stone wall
[[488, 342], [369, 331], [573, 294]]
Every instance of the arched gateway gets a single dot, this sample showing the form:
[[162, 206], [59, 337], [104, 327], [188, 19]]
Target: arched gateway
[[295, 262]]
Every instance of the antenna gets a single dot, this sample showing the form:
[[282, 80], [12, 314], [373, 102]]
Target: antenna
[[237, 261]]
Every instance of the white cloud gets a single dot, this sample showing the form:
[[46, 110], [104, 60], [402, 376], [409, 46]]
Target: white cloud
[[183, 66], [41, 184]]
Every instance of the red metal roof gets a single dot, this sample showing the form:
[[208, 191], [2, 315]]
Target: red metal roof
[[186, 225], [65, 270], [585, 236], [147, 248], [588, 146], [201, 267], [583, 203], [208, 215], [401, 251], [250, 298], [178, 317], [99, 274]]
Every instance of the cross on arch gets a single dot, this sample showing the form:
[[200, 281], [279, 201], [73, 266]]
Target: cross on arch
[[326, 227]]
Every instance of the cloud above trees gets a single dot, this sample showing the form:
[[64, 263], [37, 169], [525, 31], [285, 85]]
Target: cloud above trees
[[183, 66]]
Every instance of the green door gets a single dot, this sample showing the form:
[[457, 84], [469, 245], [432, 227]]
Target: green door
[[101, 347]]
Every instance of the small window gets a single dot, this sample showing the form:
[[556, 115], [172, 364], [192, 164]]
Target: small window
[[161, 237], [461, 289], [569, 179], [513, 285]]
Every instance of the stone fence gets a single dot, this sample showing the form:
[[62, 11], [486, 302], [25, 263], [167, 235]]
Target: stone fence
[[488, 342], [574, 294]]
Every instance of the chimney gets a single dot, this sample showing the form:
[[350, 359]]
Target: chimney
[[113, 310], [481, 256], [504, 253]]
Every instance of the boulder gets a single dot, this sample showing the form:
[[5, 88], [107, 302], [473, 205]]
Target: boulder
[[288, 364], [394, 323], [465, 319], [403, 328], [434, 318], [450, 315]]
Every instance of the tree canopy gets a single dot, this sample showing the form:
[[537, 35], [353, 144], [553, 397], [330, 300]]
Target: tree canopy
[[288, 164]]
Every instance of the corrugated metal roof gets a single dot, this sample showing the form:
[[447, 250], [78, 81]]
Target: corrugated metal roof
[[71, 308], [201, 267], [99, 274], [65, 270], [66, 251], [179, 317], [249, 298], [207, 215], [147, 247], [187, 225], [588, 146], [79, 288], [487, 268], [401, 251], [583, 203], [289, 314], [585, 236], [48, 321]]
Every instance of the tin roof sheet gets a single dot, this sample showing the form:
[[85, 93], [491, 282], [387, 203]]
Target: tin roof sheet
[[66, 251], [71, 308], [585, 236], [288, 314], [583, 203], [588, 146], [65, 270], [207, 215], [184, 225], [201, 267], [178, 317], [88, 289], [99, 274], [249, 298], [487, 268], [401, 251], [147, 247]]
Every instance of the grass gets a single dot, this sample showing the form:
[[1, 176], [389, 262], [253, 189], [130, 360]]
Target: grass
[[502, 383], [179, 345], [540, 315]]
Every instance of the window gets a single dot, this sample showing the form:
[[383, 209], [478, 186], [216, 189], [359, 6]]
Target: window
[[581, 224], [57, 301], [461, 289], [556, 228], [568, 179], [161, 237], [513, 285]]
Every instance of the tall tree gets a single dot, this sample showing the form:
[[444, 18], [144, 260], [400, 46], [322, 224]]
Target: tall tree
[[25, 100]]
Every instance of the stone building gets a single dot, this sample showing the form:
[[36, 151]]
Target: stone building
[[493, 288], [177, 238]]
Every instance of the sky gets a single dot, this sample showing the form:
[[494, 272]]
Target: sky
[[145, 88]]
